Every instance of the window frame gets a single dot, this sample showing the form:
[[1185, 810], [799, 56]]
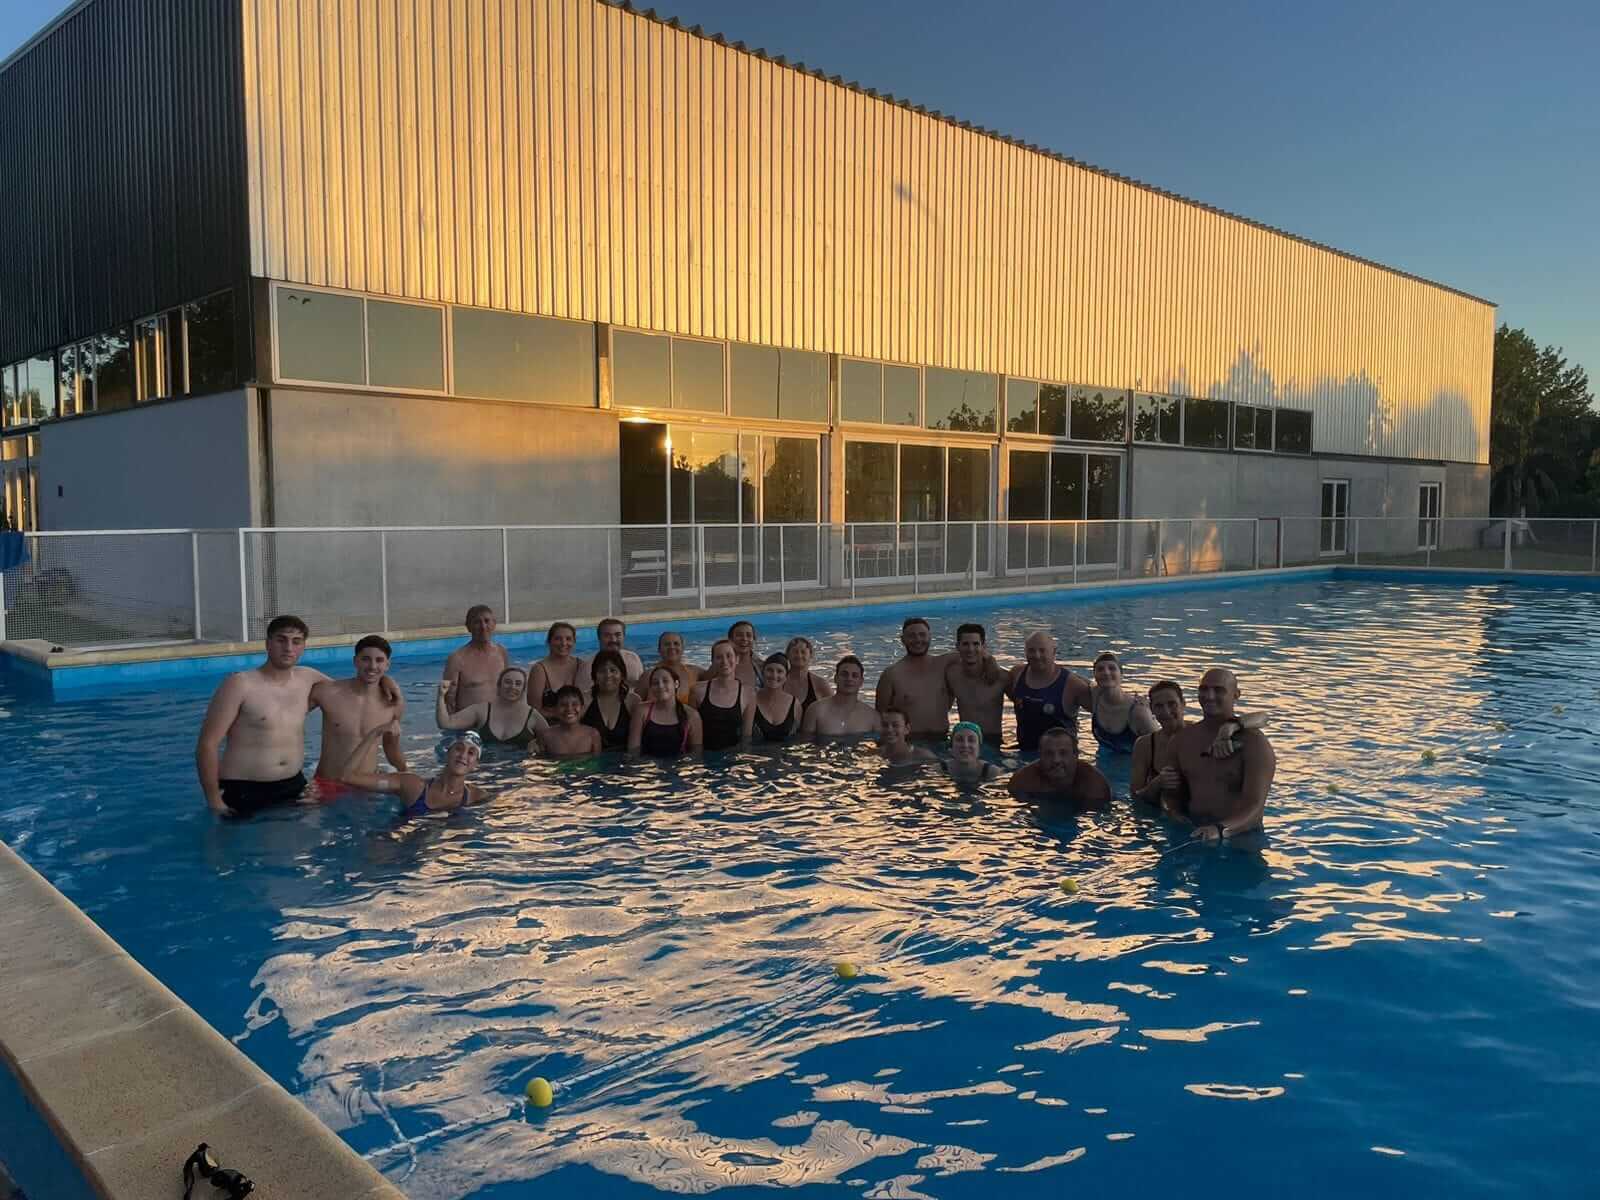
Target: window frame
[[447, 332], [1339, 523], [1253, 409], [880, 423], [1429, 527], [1311, 430]]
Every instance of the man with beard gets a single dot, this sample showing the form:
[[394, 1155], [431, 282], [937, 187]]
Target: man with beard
[[917, 684], [1059, 775]]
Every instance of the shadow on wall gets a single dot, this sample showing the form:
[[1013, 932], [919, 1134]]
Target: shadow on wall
[[1382, 422]]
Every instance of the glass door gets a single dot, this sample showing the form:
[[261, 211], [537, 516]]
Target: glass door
[[1428, 516], [1335, 515]]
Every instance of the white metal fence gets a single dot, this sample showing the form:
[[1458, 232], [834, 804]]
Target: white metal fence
[[122, 587]]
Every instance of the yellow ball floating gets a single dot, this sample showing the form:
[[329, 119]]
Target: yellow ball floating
[[1428, 756], [1500, 727], [1333, 789], [1069, 886], [540, 1093], [1558, 709], [845, 970]]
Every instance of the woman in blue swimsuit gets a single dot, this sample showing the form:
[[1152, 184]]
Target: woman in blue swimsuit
[[446, 791]]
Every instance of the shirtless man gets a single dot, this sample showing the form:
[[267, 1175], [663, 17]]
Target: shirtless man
[[842, 714], [350, 709], [1222, 796], [567, 736], [474, 669], [262, 715], [612, 633], [1046, 695], [1060, 775], [669, 646], [979, 689], [894, 739], [918, 685]]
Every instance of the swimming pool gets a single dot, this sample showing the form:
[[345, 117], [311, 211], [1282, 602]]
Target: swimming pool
[[1394, 992]]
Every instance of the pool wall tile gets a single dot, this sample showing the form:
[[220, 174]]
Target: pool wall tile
[[110, 1080]]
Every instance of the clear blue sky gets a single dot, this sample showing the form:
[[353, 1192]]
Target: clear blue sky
[[1458, 140]]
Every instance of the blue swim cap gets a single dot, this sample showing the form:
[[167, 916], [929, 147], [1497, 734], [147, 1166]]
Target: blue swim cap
[[970, 726]]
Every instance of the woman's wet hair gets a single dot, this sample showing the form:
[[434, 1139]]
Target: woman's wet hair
[[567, 625], [775, 660], [608, 658], [512, 671], [1166, 685], [658, 669], [736, 625], [799, 641], [1107, 656], [721, 642]]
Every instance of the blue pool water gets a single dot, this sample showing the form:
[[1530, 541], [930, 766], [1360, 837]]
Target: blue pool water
[[1395, 991]]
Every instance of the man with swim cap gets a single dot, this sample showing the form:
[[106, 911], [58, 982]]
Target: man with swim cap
[[261, 714], [1059, 775], [1046, 695], [842, 714], [917, 683], [353, 707], [611, 632], [1222, 796], [979, 688], [474, 669]]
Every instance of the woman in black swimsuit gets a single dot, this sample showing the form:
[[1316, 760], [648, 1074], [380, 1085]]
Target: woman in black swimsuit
[[777, 711], [507, 720], [556, 669], [725, 705], [611, 708], [804, 684], [663, 727]]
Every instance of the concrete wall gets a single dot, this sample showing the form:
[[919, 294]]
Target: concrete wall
[[179, 464], [361, 460]]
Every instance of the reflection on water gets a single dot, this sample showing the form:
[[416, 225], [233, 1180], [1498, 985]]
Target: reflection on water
[[1391, 963]]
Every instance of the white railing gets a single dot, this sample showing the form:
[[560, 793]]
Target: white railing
[[121, 587]]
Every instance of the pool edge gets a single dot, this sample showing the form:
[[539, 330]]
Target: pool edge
[[126, 1079]]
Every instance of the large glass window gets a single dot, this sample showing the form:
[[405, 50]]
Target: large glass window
[[1022, 406], [1157, 419], [511, 356], [642, 456], [77, 376], [1205, 424], [879, 393], [405, 346], [1099, 415], [1029, 496], [698, 375], [152, 359], [802, 385], [641, 370], [922, 483], [36, 388], [113, 371], [1335, 516], [960, 400], [209, 343], [10, 411], [321, 337], [1053, 409], [902, 394], [869, 481], [753, 381], [1293, 431], [1252, 427]]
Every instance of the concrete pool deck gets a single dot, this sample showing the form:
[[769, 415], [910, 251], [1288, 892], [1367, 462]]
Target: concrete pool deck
[[112, 1080]]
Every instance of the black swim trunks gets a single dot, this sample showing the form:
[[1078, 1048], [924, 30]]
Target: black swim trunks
[[249, 796]]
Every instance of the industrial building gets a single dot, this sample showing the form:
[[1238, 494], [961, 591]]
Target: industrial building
[[460, 262]]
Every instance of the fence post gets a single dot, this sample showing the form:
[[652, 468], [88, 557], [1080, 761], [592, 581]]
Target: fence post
[[505, 573], [2, 606], [1256, 561], [782, 571], [1188, 554], [972, 556], [1074, 552], [383, 574], [700, 557], [609, 610], [194, 571], [1594, 559], [916, 555], [1355, 539], [244, 594], [1027, 553], [1161, 549], [850, 558], [1505, 546]]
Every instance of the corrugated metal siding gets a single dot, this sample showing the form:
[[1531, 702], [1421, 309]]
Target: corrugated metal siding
[[568, 158], [121, 130]]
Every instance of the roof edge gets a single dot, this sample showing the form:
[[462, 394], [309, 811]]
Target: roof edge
[[55, 23], [697, 31]]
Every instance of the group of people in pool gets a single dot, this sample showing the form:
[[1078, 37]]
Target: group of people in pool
[[1214, 773]]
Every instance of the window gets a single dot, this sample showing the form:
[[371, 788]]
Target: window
[[154, 376], [699, 375], [753, 381], [541, 360], [1022, 406], [641, 370], [1252, 427], [1157, 419], [802, 386], [321, 337], [10, 411], [1428, 516], [879, 393], [1099, 415], [112, 356], [921, 483], [960, 400], [1335, 515], [869, 481], [1054, 400], [1205, 424], [1029, 495], [1293, 431], [77, 377], [1064, 485], [405, 346], [208, 344]]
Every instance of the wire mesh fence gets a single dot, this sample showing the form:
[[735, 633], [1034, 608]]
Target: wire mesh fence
[[120, 588]]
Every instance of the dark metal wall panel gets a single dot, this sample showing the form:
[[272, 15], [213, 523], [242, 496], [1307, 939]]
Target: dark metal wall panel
[[122, 133]]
